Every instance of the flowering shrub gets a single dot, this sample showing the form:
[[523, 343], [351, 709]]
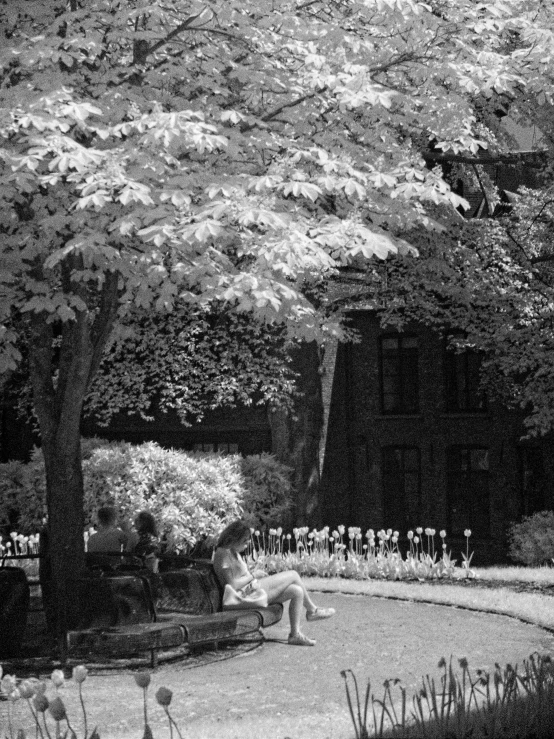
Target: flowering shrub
[[532, 540], [191, 495], [325, 554]]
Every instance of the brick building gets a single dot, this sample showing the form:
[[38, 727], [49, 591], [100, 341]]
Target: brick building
[[409, 440]]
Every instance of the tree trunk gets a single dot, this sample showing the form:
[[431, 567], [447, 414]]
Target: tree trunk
[[61, 372], [66, 554], [296, 435]]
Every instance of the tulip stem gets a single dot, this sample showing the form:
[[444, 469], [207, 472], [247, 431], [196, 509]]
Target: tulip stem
[[10, 719], [35, 717], [46, 726], [172, 724], [83, 708]]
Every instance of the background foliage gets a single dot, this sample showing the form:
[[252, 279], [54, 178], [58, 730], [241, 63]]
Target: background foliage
[[192, 495]]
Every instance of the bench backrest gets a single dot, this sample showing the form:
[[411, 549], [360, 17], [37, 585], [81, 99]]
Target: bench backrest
[[194, 589], [115, 601]]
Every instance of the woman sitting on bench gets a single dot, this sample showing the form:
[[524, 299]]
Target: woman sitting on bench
[[231, 569]]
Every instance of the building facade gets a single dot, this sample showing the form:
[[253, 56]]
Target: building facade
[[411, 441]]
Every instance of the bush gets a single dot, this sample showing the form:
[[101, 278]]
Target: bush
[[532, 540], [267, 496], [192, 495]]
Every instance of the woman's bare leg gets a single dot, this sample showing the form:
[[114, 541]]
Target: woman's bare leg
[[276, 587]]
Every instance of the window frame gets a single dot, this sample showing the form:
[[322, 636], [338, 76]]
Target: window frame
[[467, 481], [450, 370], [403, 448], [401, 410]]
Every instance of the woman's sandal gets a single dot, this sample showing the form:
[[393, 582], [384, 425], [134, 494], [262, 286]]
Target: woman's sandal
[[319, 614], [301, 640]]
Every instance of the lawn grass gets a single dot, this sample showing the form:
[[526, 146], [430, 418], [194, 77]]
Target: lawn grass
[[540, 575], [533, 608]]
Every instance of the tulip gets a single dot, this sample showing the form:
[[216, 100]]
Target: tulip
[[58, 678], [142, 679], [8, 684], [419, 531], [467, 532], [442, 533], [40, 702], [57, 709], [164, 696], [27, 689], [80, 673]]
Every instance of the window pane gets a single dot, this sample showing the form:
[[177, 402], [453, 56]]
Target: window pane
[[399, 374], [389, 344], [411, 460], [468, 490], [401, 487], [409, 342], [479, 459], [462, 377], [410, 384]]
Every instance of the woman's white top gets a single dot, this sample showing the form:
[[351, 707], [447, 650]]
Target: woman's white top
[[229, 566]]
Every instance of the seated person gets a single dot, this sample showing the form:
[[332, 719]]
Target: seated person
[[108, 537], [231, 569], [147, 544]]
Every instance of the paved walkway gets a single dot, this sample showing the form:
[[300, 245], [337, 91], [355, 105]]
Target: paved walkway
[[279, 691]]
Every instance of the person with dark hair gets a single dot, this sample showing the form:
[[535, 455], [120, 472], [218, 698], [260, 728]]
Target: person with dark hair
[[147, 544], [231, 570], [108, 537]]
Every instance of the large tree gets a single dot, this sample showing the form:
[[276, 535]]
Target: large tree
[[232, 151]]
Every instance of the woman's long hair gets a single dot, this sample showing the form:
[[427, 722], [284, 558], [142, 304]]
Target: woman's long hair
[[235, 532]]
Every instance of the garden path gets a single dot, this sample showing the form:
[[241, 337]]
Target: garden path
[[279, 691]]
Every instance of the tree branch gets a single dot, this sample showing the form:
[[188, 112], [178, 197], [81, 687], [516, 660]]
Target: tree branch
[[275, 112], [512, 158], [104, 321]]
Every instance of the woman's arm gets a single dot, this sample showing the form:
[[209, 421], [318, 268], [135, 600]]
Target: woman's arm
[[225, 569]]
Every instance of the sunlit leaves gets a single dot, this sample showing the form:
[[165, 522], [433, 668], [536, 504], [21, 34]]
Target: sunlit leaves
[[252, 148]]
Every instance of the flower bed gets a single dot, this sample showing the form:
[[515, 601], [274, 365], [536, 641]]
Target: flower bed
[[324, 553]]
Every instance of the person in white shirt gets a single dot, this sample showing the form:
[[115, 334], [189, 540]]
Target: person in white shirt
[[231, 569], [108, 537]]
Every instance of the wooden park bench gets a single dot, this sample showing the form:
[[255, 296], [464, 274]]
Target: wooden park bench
[[134, 612]]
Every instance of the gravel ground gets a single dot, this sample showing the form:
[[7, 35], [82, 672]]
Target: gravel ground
[[281, 691]]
